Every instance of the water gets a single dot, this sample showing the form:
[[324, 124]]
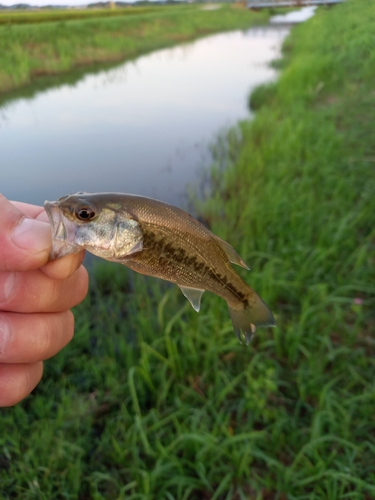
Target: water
[[143, 127], [294, 17]]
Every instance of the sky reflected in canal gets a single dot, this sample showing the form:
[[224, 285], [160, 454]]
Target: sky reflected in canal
[[142, 127]]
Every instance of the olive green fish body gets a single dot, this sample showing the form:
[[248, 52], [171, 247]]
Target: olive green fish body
[[157, 239], [191, 262]]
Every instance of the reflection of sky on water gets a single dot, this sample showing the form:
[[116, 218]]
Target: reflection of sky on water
[[296, 16], [140, 128]]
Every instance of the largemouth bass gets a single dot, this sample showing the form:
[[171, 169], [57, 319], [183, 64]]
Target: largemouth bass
[[160, 240]]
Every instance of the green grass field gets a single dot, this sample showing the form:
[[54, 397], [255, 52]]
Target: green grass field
[[50, 15], [33, 50], [153, 401]]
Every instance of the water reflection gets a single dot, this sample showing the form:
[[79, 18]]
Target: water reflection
[[294, 17], [142, 127]]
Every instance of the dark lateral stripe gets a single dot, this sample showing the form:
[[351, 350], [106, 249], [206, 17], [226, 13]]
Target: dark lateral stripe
[[151, 242]]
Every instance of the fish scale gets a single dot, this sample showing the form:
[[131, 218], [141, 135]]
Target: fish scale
[[159, 240]]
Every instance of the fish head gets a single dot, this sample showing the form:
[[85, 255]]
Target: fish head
[[94, 222]]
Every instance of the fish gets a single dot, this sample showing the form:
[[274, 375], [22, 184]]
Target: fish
[[160, 240]]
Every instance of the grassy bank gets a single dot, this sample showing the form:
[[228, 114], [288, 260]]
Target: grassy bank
[[47, 15], [33, 50], [154, 401]]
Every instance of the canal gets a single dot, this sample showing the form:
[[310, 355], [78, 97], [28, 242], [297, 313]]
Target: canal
[[142, 127]]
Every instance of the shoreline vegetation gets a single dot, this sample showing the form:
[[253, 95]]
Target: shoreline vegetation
[[30, 51], [153, 401], [37, 16]]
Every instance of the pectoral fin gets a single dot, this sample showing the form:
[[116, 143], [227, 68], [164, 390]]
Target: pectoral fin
[[193, 295], [231, 253]]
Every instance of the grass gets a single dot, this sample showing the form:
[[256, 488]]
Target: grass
[[46, 15], [153, 401], [34, 50]]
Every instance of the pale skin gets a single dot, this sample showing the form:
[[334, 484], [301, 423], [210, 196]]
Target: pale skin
[[36, 296]]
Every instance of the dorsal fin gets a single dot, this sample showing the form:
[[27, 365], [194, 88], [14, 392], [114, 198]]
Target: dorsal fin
[[231, 253]]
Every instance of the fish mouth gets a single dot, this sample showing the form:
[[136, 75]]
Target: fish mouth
[[63, 232]]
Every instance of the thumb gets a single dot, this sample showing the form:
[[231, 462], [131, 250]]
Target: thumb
[[25, 243]]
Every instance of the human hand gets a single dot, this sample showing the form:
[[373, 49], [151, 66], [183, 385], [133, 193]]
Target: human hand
[[35, 298]]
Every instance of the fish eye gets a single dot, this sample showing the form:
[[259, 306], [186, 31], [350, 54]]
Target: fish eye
[[85, 213]]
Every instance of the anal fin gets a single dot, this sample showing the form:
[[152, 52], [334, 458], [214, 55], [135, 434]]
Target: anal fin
[[193, 295]]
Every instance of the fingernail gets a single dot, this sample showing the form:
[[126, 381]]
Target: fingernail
[[6, 286], [4, 335], [31, 234]]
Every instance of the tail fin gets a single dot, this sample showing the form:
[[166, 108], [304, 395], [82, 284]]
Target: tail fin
[[247, 318]]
